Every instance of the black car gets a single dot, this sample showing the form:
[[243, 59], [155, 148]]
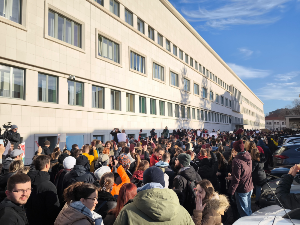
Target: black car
[[287, 156]]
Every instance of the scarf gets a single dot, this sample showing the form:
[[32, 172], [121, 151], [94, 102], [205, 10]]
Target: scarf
[[85, 211]]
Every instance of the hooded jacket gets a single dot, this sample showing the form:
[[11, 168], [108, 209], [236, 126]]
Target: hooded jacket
[[12, 214], [153, 160], [154, 206], [258, 173], [78, 173], [42, 206], [241, 174]]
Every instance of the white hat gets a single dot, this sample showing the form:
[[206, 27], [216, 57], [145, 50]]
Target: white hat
[[69, 162], [102, 170]]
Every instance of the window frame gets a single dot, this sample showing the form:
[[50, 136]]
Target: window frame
[[186, 59], [170, 72], [193, 113], [120, 103], [188, 113], [68, 16], [174, 46], [211, 98], [160, 38], [151, 29], [47, 78], [170, 112], [130, 103], [164, 75], [115, 2], [103, 97], [128, 12], [151, 104], [140, 111], [23, 17], [180, 51], [139, 20], [202, 91], [167, 41], [182, 112], [75, 82], [198, 88], [145, 63], [162, 103], [189, 84], [191, 62], [177, 111]]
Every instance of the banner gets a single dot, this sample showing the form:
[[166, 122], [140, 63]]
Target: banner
[[22, 147], [121, 137]]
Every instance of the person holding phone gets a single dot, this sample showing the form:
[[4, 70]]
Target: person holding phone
[[114, 133]]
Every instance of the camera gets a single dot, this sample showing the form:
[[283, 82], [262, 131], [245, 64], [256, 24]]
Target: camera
[[4, 136]]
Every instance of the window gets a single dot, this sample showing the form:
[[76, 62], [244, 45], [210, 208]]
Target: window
[[11, 82], [207, 73], [188, 112], [196, 89], [222, 100], [181, 54], [140, 25], [187, 58], [109, 49], [204, 70], [168, 45], [97, 97], [64, 29], [191, 62], [174, 50], [196, 65], [282, 123], [212, 116], [115, 100], [204, 92], [193, 114], [151, 33], [161, 108], [210, 75], [200, 68], [202, 115], [152, 106], [99, 2], [198, 114], [174, 79], [177, 111], [114, 7], [226, 102], [129, 102], [211, 96], [11, 9], [128, 17], [158, 72], [99, 137], [47, 88], [230, 103], [217, 98], [142, 101], [182, 111], [205, 115], [137, 62], [75, 93], [159, 39], [170, 109], [186, 84], [209, 113]]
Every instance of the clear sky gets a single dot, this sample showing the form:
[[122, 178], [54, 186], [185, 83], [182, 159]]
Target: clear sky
[[258, 39]]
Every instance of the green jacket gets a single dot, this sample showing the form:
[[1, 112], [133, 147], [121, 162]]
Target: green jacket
[[165, 133], [154, 206]]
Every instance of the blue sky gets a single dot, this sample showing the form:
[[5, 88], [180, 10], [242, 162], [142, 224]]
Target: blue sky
[[258, 39]]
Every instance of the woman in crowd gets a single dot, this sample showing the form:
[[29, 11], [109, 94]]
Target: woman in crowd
[[222, 171], [81, 201], [137, 177], [127, 192]]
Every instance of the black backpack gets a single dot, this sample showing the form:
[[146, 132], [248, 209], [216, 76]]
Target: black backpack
[[189, 203]]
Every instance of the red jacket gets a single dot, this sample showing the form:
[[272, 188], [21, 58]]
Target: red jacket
[[153, 160], [241, 174]]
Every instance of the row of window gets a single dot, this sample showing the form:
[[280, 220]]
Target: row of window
[[252, 104], [275, 123]]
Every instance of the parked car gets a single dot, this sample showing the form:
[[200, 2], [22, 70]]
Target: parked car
[[271, 215], [287, 155]]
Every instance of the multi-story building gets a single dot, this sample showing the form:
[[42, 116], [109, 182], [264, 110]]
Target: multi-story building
[[84, 67], [274, 122]]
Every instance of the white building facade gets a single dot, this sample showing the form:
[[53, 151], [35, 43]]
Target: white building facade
[[84, 67]]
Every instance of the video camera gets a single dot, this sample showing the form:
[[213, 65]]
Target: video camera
[[4, 136]]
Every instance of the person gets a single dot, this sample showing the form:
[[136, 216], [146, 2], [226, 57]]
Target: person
[[43, 204], [114, 133], [165, 132], [222, 172], [91, 153], [259, 177], [103, 158], [185, 178], [99, 146], [81, 201], [74, 147], [157, 155], [241, 179], [127, 193], [13, 136], [152, 133], [165, 167], [137, 177], [12, 207], [79, 173], [46, 150], [288, 200], [154, 204], [106, 201], [15, 155]]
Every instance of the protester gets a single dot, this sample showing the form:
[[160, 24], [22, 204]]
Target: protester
[[114, 133], [12, 207], [157, 155], [43, 204], [165, 167], [15, 155], [121, 165], [137, 177], [74, 147], [81, 201], [91, 153], [103, 158]]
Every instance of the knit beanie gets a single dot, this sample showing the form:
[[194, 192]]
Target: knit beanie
[[47, 142], [82, 160], [101, 171], [238, 146], [69, 162], [154, 175], [184, 159]]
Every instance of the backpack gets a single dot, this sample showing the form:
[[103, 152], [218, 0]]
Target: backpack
[[190, 197]]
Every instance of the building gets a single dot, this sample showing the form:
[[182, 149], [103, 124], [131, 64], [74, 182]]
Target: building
[[274, 122], [84, 67]]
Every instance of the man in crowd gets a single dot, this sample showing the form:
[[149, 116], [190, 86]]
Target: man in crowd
[[165, 167], [14, 136], [241, 179], [74, 147], [114, 133], [156, 156], [12, 207], [43, 204]]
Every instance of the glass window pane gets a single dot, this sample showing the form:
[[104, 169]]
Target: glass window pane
[[2, 12], [13, 12], [17, 83], [51, 17], [77, 35], [52, 89], [42, 87], [60, 32], [68, 31], [79, 93], [71, 92], [4, 81]]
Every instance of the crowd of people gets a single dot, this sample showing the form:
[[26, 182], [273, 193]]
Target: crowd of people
[[183, 177]]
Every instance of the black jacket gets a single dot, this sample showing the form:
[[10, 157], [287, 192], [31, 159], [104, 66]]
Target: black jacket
[[180, 181], [14, 138], [115, 135], [42, 206], [106, 202], [58, 182], [78, 173], [12, 214], [258, 173], [3, 183], [287, 199], [227, 153]]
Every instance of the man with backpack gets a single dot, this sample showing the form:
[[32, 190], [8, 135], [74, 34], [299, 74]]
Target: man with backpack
[[185, 182], [165, 167]]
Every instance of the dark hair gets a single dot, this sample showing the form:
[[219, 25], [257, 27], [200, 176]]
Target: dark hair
[[126, 150], [41, 161], [19, 178], [213, 142], [78, 190], [159, 148], [74, 146], [77, 152], [106, 181]]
